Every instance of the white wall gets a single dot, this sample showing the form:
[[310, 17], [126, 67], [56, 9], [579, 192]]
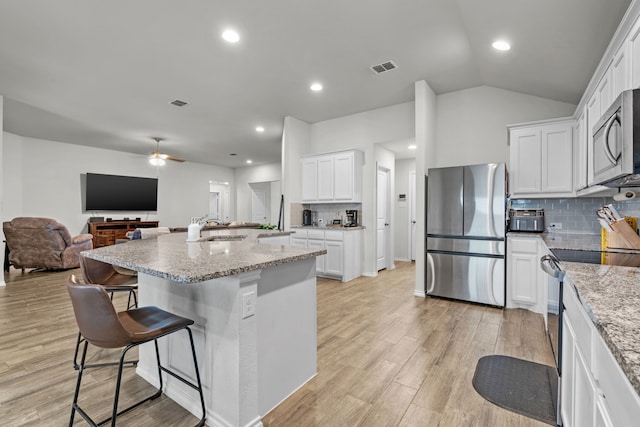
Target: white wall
[[250, 175], [296, 140], [425, 117], [43, 178], [402, 215], [471, 123]]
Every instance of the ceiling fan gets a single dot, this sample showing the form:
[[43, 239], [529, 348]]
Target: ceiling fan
[[157, 158]]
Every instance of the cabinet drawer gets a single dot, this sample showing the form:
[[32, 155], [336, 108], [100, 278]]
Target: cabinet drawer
[[523, 244], [582, 326], [300, 233], [333, 235], [315, 234]]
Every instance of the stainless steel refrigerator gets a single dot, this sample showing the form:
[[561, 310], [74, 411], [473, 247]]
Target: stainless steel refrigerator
[[466, 233]]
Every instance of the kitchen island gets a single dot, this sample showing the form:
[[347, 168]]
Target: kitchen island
[[254, 307]]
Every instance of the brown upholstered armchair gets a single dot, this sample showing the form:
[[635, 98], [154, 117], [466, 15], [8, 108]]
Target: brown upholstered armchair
[[43, 243]]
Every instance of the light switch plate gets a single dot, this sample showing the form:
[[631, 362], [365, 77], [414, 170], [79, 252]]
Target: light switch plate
[[248, 304]]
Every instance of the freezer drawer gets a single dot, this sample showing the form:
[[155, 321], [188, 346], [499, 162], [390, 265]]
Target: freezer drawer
[[467, 278]]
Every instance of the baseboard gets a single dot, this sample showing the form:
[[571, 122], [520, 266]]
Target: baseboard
[[418, 293], [370, 274]]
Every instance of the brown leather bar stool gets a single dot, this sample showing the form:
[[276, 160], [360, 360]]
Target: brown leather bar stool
[[103, 327], [104, 274]]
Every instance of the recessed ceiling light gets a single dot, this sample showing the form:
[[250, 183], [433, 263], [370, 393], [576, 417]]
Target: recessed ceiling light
[[316, 87], [249, 161], [412, 147], [231, 36], [259, 129], [501, 45]]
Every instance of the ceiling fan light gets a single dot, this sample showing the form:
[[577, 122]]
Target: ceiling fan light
[[163, 156], [156, 161]]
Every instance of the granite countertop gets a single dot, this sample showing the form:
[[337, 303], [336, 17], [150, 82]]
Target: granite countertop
[[611, 297], [217, 254]]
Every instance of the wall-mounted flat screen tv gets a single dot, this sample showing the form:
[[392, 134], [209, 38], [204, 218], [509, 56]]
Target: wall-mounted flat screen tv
[[120, 193]]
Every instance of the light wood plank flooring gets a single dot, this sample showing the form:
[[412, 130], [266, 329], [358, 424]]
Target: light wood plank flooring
[[385, 358]]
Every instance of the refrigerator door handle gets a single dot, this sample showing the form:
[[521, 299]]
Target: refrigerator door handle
[[490, 273], [433, 275]]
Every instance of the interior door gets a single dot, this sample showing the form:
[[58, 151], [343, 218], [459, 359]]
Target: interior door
[[382, 218], [259, 206]]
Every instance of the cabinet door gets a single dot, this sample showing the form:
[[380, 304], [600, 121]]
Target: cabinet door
[[602, 415], [309, 179], [334, 258], [525, 159], [557, 158], [605, 90], [620, 72], [634, 54], [593, 115], [580, 152], [523, 269], [325, 178], [320, 260], [343, 176], [584, 399], [568, 365]]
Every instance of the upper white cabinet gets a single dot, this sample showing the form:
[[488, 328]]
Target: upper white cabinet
[[332, 177], [541, 159], [580, 159]]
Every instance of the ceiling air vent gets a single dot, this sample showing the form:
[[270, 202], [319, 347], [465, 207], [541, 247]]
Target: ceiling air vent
[[178, 103], [385, 66]]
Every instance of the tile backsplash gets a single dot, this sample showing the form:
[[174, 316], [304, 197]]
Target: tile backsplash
[[577, 215]]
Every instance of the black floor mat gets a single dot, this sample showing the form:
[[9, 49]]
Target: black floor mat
[[524, 387]]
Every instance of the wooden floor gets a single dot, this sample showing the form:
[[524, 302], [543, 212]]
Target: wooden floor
[[385, 358]]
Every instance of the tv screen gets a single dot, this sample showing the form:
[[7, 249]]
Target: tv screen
[[120, 193]]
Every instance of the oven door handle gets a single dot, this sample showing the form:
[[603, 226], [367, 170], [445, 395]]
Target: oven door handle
[[551, 266], [607, 148]]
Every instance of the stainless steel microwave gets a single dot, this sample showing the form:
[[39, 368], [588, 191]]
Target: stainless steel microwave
[[615, 159]]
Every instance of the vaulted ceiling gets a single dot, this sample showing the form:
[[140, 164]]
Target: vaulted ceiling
[[103, 73]]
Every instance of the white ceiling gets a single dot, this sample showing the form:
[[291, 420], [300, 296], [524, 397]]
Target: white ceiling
[[102, 73]]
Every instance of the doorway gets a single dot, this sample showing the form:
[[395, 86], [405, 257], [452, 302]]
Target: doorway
[[383, 231], [259, 209]]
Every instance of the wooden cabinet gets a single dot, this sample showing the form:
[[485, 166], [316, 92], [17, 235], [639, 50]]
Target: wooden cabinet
[[106, 233], [332, 177], [525, 280], [541, 159]]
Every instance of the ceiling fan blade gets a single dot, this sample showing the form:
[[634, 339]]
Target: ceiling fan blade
[[175, 159]]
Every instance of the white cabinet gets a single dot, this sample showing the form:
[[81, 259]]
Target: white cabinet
[[633, 43], [309, 178], [332, 177], [595, 390], [343, 259], [541, 159], [525, 280]]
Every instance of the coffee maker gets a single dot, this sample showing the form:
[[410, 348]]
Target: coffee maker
[[352, 218], [306, 217]]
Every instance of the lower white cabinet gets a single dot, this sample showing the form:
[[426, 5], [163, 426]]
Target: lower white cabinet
[[595, 390], [275, 240], [526, 282], [343, 259]]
